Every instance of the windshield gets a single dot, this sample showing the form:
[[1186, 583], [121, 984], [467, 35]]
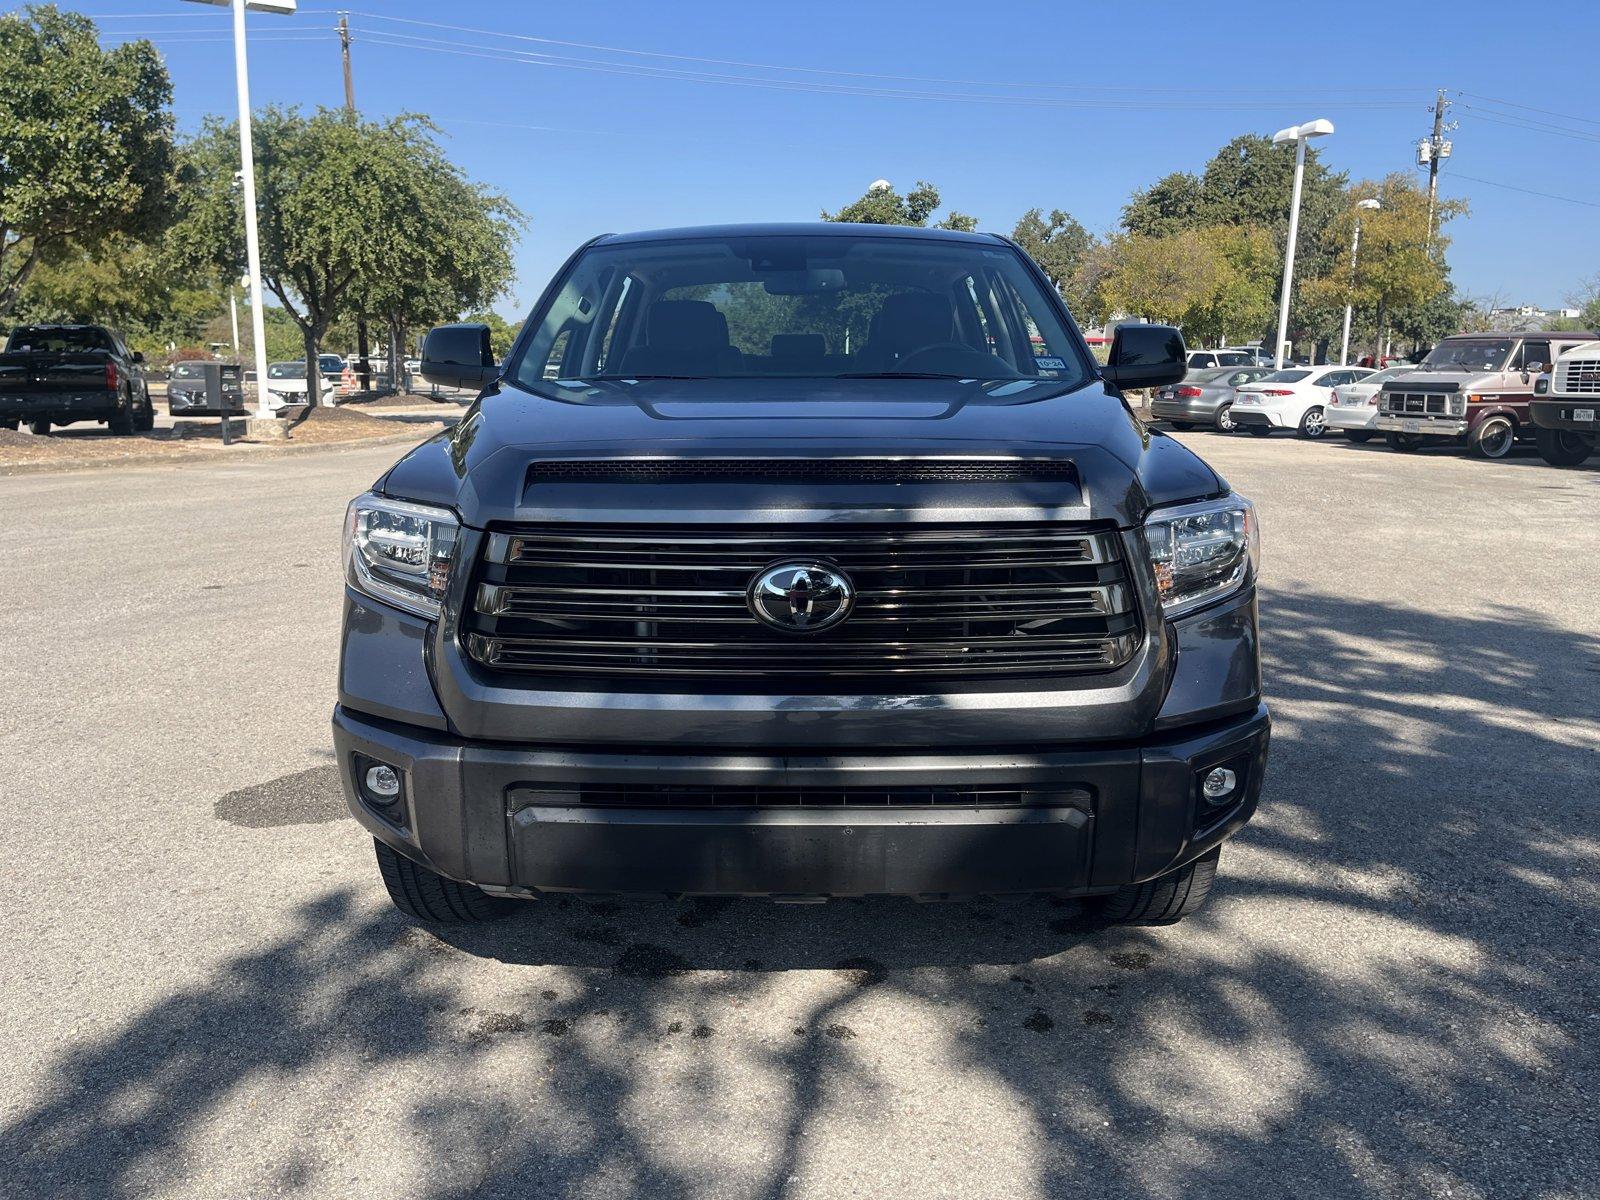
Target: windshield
[[1469, 354], [292, 370], [185, 370], [1284, 377], [801, 306]]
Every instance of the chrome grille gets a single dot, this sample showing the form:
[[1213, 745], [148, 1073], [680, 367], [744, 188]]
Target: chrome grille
[[965, 601], [1415, 404], [1578, 377]]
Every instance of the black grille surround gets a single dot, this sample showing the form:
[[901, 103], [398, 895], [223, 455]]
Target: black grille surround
[[1404, 403], [667, 604]]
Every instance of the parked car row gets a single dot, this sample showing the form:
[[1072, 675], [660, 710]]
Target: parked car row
[[1476, 390]]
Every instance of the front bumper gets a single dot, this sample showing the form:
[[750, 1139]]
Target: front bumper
[[509, 818], [1451, 427], [1563, 414]]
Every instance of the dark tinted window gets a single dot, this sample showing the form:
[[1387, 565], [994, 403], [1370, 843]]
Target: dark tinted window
[[824, 306], [1535, 356], [45, 339]]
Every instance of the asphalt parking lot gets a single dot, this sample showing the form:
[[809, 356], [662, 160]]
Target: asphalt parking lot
[[1393, 993]]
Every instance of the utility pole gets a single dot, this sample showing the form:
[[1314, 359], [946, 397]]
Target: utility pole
[[363, 367], [344, 50], [1431, 153]]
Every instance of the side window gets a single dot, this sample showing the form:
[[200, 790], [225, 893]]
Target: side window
[[1535, 356]]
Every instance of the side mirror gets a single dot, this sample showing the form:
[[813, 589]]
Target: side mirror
[[138, 356], [458, 356], [1145, 356]]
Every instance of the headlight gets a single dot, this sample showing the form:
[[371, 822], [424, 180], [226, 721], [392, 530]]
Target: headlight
[[400, 553], [1202, 552]]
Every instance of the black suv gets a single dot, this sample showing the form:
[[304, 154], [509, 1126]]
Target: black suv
[[800, 561]]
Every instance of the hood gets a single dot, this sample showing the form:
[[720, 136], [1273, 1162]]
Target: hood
[[488, 467], [1442, 381]]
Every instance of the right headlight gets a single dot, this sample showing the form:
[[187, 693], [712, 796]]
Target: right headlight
[[399, 552], [1202, 552]]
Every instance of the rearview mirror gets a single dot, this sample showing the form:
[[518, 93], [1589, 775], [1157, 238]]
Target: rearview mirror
[[1145, 356], [458, 356]]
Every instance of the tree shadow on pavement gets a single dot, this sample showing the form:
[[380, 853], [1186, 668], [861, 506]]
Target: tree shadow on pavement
[[1387, 998]]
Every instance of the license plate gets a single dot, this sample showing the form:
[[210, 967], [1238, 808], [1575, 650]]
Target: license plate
[[1414, 426], [1583, 414]]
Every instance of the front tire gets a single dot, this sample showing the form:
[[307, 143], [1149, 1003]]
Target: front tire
[[1563, 447], [1224, 421], [40, 428], [1403, 442], [1167, 898], [1359, 435], [1494, 437], [429, 896], [1260, 430], [1315, 422]]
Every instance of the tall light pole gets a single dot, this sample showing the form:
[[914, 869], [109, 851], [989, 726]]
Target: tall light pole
[[247, 175], [1371, 202], [1299, 135]]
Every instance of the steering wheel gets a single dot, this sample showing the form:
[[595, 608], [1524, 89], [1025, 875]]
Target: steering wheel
[[983, 364]]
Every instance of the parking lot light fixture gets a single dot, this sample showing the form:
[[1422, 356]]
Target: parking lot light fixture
[[1370, 203], [1299, 135], [247, 174]]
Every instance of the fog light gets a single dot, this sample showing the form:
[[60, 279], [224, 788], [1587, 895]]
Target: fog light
[[383, 782], [1219, 784]]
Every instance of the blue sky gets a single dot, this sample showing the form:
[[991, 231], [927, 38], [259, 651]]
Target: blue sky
[[588, 140]]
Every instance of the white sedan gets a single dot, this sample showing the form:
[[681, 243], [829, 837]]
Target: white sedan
[[1295, 398], [1355, 405]]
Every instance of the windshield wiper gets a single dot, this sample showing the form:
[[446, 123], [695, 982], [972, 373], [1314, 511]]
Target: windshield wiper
[[897, 375]]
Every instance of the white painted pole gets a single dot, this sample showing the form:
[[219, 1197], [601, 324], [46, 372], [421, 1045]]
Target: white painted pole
[[252, 243], [233, 313], [1288, 256], [1344, 347]]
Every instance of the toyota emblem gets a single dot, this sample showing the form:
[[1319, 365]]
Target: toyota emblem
[[801, 597]]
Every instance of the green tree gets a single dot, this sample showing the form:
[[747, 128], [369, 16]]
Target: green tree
[[885, 206], [1059, 245], [1162, 278], [346, 205], [1240, 301], [1397, 268], [1170, 204], [86, 149]]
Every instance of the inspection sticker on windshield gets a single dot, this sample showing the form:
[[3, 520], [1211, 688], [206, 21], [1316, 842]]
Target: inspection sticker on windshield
[[1047, 363]]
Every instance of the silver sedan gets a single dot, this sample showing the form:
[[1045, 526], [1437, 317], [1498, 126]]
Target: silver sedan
[[1203, 397]]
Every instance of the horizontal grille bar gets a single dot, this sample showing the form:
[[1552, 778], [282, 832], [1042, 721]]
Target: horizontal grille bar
[[828, 470], [670, 601], [628, 795]]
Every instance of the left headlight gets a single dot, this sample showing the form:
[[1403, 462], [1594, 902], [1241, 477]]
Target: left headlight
[[400, 553], [1202, 552]]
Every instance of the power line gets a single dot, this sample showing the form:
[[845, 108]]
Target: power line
[[1511, 187], [1529, 126], [500, 34], [1549, 112], [539, 59]]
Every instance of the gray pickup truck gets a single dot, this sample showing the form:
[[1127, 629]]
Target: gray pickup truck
[[800, 562], [58, 374]]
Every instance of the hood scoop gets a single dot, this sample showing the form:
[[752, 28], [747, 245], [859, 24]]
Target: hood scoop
[[813, 470]]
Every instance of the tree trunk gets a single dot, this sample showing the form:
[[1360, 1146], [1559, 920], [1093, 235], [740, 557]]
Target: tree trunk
[[313, 368], [1377, 336]]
